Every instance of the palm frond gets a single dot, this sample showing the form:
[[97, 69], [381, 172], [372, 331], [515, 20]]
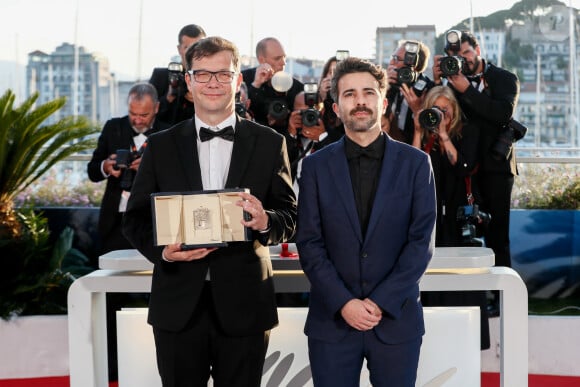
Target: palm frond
[[28, 149]]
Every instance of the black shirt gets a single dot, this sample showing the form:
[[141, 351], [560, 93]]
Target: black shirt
[[364, 164]]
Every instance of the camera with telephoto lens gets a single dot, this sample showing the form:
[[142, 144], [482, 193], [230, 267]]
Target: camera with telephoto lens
[[311, 115], [429, 119], [471, 222], [510, 133], [407, 74], [452, 64], [278, 109], [175, 77], [125, 158]]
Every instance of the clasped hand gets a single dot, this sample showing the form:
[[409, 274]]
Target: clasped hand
[[362, 315]]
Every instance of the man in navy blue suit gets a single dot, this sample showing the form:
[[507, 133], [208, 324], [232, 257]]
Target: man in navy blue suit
[[366, 219]]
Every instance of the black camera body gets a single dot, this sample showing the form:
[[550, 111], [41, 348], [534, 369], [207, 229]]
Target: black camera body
[[125, 158], [429, 119], [407, 74], [311, 115], [175, 76], [471, 222], [513, 131], [453, 63], [278, 109]]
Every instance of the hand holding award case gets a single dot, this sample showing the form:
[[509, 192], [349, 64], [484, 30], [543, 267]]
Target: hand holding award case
[[199, 219]]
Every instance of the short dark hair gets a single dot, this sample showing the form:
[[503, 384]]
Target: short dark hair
[[210, 46], [352, 65], [191, 30], [141, 90], [468, 37]]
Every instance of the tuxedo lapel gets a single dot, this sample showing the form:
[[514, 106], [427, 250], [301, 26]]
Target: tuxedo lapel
[[187, 147], [340, 177], [126, 132], [243, 150], [390, 170]]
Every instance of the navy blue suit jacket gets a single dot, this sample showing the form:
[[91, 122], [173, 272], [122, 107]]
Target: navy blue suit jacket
[[387, 264]]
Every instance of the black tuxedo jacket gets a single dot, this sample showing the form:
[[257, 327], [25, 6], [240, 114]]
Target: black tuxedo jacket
[[241, 273], [116, 134], [490, 110]]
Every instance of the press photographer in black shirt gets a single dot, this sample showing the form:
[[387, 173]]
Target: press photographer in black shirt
[[408, 85], [269, 106], [175, 101], [488, 97]]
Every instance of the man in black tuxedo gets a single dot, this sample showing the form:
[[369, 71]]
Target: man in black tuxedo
[[128, 133], [175, 102], [212, 308], [488, 96]]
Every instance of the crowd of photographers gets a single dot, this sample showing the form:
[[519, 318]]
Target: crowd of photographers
[[462, 117]]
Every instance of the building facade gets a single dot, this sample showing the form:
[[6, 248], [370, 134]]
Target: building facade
[[53, 75]]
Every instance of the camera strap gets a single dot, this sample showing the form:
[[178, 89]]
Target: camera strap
[[429, 145], [470, 198]]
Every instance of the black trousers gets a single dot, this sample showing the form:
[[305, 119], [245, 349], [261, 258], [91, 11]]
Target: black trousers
[[189, 357], [496, 192]]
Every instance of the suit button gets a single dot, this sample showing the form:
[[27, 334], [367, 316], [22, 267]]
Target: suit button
[[364, 255]]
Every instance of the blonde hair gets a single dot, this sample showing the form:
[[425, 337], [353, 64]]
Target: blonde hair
[[446, 92]]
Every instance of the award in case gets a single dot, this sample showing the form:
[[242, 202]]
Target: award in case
[[199, 219]]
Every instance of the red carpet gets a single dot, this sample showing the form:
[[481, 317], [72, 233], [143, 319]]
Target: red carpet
[[492, 380], [487, 380], [56, 381]]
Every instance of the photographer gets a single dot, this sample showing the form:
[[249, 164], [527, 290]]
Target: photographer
[[407, 86], [125, 138], [243, 103], [452, 147], [175, 101], [306, 129], [269, 106], [488, 96]]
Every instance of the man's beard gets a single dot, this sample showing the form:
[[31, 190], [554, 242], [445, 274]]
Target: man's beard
[[357, 125], [472, 70]]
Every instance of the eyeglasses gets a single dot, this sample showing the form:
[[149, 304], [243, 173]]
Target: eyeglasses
[[204, 76], [396, 59]]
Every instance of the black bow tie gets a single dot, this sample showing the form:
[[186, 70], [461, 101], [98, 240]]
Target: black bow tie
[[370, 152], [475, 80], [226, 133], [146, 133]]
